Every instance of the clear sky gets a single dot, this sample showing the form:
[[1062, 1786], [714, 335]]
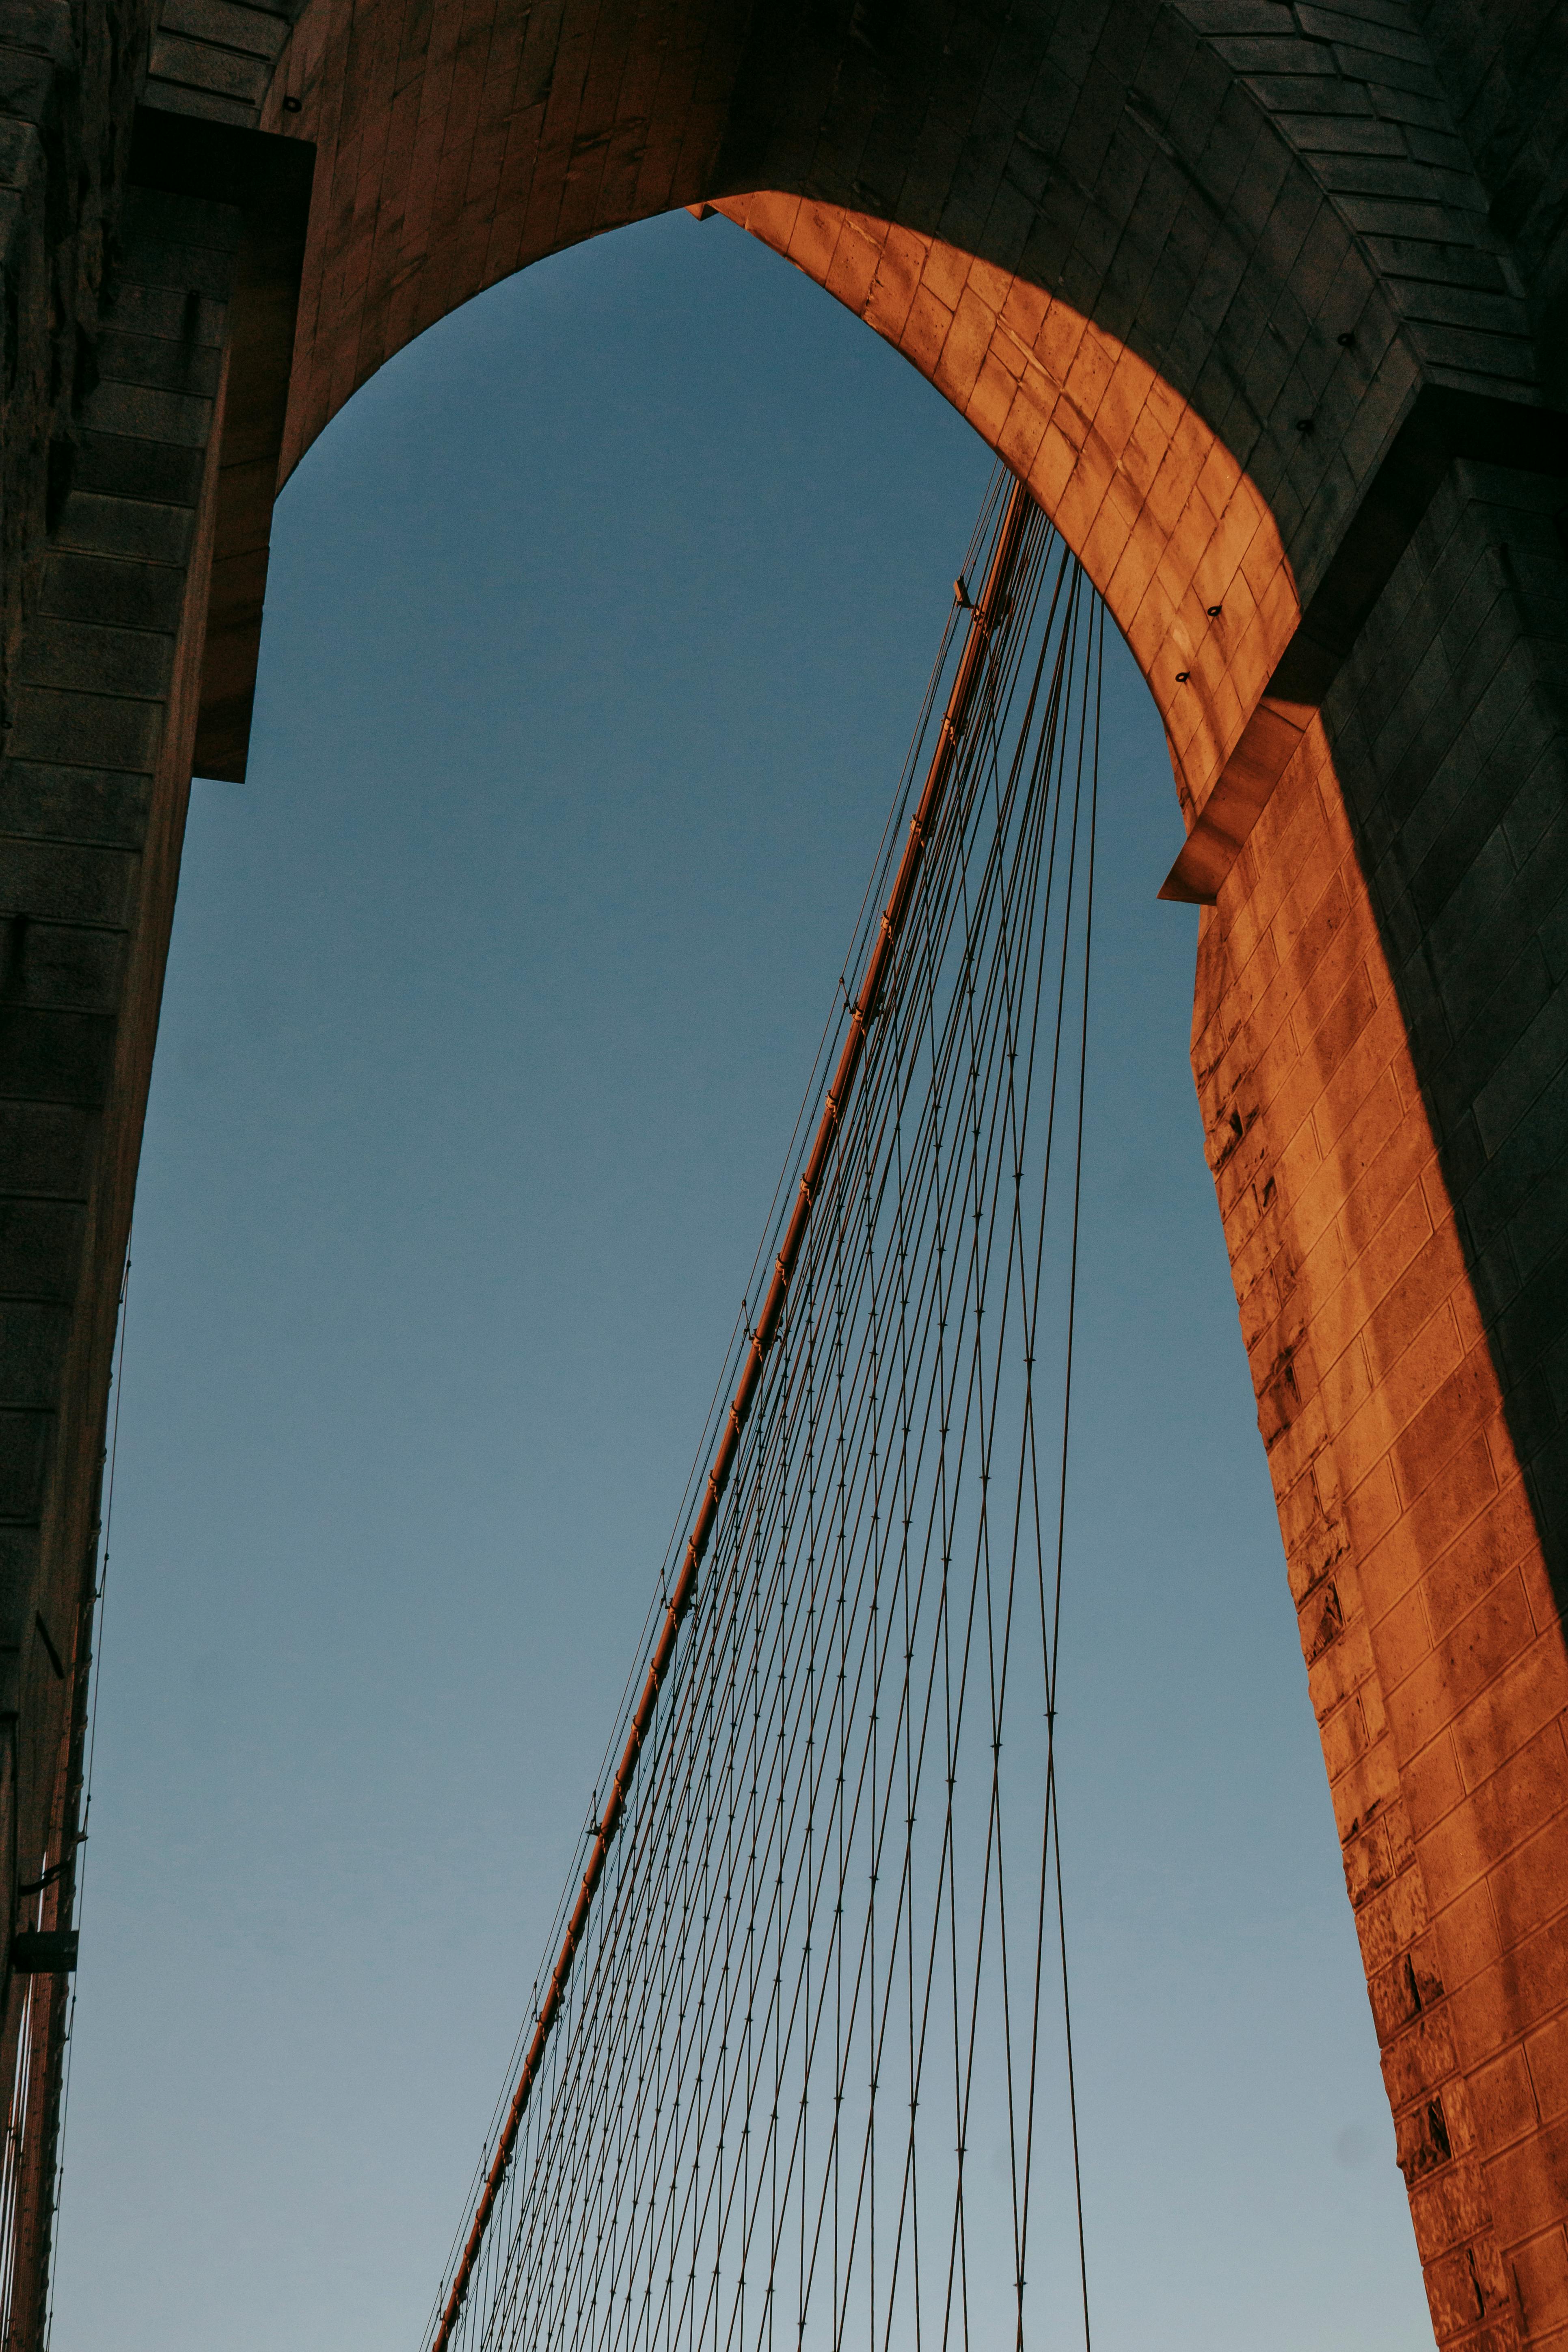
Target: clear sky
[[597, 627]]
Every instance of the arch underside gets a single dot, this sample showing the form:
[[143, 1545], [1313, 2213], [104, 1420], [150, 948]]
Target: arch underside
[[1263, 302], [1166, 288]]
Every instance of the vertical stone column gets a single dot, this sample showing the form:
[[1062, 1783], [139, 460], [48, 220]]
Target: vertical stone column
[[94, 786], [1381, 1047]]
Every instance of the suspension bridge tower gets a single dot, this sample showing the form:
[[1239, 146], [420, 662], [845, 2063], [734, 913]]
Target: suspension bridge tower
[[1267, 305]]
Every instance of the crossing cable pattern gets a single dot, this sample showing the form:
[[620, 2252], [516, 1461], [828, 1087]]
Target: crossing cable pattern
[[802, 2071]]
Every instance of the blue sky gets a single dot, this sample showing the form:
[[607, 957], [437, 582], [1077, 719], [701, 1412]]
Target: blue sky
[[597, 628]]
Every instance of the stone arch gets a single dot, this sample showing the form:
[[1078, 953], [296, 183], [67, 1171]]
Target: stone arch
[[1182, 265], [1259, 295], [1173, 531]]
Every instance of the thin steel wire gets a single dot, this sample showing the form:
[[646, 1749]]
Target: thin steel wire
[[836, 1884]]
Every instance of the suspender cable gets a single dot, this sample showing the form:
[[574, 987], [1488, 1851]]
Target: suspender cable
[[965, 686]]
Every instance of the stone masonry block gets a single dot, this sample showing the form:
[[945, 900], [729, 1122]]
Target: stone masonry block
[[40, 1242], [108, 662], [1538, 1057], [52, 1057], [1436, 1691], [42, 1148], [1504, 2097], [1493, 1544], [1504, 1813], [55, 882], [33, 1335], [142, 530], [24, 1440], [89, 731], [1540, 2273], [1529, 2177], [1530, 1885], [132, 595], [89, 810], [1546, 2060], [1508, 1711], [64, 966]]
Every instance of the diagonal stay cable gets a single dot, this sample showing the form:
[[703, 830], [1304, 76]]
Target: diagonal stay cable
[[970, 676]]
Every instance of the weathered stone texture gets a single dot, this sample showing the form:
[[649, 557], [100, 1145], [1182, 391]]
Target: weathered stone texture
[[93, 790], [1506, 69], [1157, 168], [1370, 977], [1266, 302], [1386, 1438], [1168, 524], [216, 58], [1451, 733], [69, 75]]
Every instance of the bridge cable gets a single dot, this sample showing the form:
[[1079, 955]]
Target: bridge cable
[[772, 1922]]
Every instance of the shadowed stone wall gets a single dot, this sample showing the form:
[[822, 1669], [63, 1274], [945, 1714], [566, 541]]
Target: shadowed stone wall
[[70, 78], [94, 785], [1269, 304]]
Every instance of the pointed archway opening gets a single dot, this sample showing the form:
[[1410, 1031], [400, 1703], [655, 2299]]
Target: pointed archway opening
[[596, 623]]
